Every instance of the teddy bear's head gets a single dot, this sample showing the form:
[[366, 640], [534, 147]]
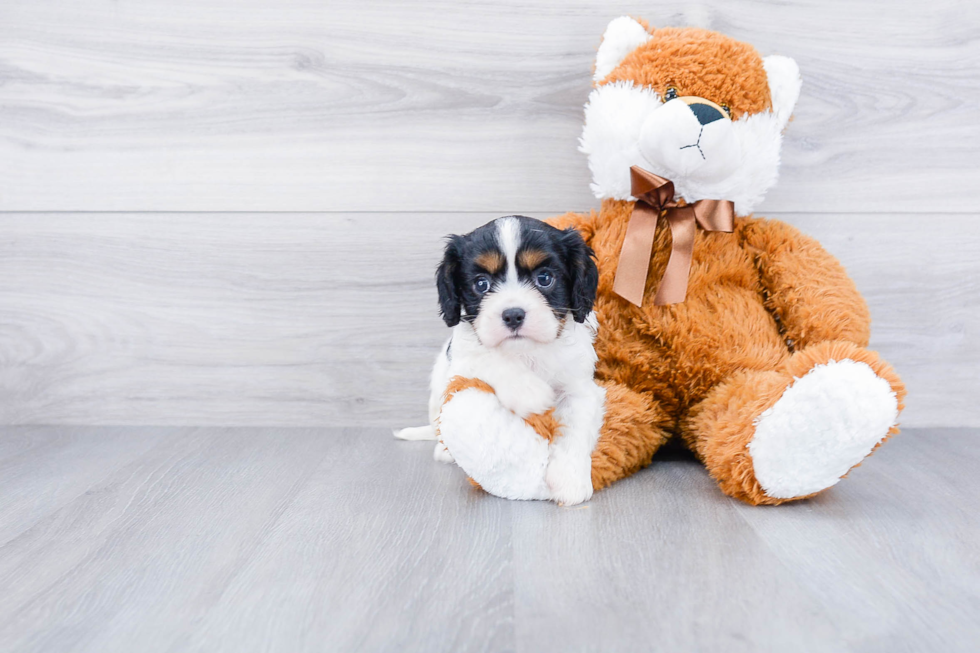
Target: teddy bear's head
[[694, 106]]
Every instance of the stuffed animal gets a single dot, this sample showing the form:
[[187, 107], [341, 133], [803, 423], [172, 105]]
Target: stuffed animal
[[508, 454], [739, 336]]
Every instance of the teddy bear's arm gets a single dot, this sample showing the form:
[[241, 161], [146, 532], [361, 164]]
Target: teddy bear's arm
[[807, 288]]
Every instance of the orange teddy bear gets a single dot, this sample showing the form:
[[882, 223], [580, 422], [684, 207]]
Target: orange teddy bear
[[740, 336]]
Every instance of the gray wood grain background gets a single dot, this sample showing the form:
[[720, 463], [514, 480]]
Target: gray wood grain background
[[217, 213]]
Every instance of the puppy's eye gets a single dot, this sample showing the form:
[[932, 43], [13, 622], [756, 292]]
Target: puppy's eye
[[727, 109], [670, 94], [544, 279], [481, 285]]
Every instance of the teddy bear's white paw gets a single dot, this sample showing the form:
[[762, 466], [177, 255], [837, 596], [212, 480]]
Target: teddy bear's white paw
[[441, 454], [494, 446], [526, 395], [827, 422], [569, 482]]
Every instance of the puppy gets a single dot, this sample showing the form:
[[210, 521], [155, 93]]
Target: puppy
[[518, 294]]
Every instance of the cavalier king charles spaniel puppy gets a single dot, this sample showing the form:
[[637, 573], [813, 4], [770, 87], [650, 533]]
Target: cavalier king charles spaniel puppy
[[518, 294]]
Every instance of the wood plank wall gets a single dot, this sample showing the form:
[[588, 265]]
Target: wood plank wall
[[229, 213]]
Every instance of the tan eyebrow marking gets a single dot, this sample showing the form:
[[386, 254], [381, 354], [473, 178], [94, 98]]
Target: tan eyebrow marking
[[531, 258], [492, 261]]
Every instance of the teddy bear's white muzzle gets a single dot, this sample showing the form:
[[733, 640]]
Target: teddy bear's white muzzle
[[682, 140]]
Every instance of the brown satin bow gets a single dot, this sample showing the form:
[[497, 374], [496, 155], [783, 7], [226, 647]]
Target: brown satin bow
[[655, 194]]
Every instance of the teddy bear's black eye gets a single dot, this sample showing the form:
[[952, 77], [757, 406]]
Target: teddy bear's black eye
[[726, 109], [670, 94]]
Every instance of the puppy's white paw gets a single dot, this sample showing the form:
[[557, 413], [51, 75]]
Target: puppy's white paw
[[570, 483], [442, 455], [526, 395]]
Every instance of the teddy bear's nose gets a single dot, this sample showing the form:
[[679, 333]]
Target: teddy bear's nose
[[705, 113]]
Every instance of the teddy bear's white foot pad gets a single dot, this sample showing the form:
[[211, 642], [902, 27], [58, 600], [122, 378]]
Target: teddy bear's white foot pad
[[495, 447], [441, 454], [827, 422]]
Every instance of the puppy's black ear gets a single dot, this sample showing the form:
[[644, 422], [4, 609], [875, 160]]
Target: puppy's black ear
[[448, 281], [583, 271]]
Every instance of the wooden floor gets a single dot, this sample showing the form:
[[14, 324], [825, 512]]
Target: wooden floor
[[187, 539]]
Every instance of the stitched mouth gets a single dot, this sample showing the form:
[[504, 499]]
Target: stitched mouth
[[697, 144]]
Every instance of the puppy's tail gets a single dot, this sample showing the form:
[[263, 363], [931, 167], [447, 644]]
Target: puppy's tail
[[427, 432]]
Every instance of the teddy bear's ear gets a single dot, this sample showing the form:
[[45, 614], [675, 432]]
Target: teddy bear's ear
[[622, 36], [784, 85]]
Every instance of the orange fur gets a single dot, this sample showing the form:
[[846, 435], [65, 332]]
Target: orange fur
[[698, 62], [839, 312], [721, 426], [545, 425], [765, 304], [633, 429], [706, 368], [460, 383]]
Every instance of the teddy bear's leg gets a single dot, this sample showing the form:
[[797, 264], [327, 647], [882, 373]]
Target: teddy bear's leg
[[633, 429], [777, 435], [504, 454]]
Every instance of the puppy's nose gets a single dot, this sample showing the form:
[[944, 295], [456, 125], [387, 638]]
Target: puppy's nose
[[705, 113], [513, 318]]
